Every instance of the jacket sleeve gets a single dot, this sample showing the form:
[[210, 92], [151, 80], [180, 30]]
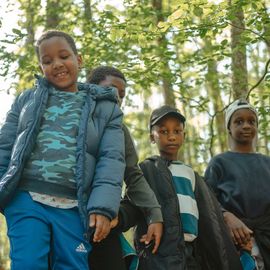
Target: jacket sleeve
[[128, 216], [212, 175], [138, 191], [109, 171], [8, 133]]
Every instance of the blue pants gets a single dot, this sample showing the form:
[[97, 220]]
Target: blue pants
[[35, 230]]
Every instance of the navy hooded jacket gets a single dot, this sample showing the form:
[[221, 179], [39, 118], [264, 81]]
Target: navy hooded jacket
[[100, 147]]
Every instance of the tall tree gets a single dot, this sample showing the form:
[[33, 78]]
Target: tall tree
[[87, 10], [266, 25], [213, 87], [26, 55], [162, 46], [238, 46], [52, 14]]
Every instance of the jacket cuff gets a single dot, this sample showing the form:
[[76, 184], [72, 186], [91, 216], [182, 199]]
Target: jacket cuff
[[123, 224], [99, 212], [154, 216], [223, 210]]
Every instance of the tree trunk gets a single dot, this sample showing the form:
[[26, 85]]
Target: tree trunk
[[30, 13], [166, 75], [264, 102], [238, 47], [87, 10], [26, 54], [212, 84], [266, 28], [52, 13], [186, 155]]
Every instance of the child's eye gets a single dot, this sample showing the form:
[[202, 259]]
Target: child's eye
[[64, 56], [239, 122], [162, 131], [252, 122], [178, 131], [46, 62]]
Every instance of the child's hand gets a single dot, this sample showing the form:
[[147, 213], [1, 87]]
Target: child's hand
[[154, 232], [102, 225], [247, 246], [239, 231], [114, 222]]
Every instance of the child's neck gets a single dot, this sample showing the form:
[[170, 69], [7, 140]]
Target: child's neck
[[243, 148], [168, 156]]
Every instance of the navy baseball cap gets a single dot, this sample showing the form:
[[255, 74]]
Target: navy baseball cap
[[159, 113]]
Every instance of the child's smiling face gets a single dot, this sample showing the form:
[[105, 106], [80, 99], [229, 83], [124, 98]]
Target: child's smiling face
[[59, 64]]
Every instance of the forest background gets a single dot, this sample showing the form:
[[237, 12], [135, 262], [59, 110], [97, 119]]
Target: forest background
[[197, 55]]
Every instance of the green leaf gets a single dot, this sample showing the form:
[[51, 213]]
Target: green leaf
[[163, 26], [198, 11], [224, 42], [203, 32], [176, 15], [254, 5], [17, 32]]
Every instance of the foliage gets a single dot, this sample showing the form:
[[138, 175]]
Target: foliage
[[4, 246]]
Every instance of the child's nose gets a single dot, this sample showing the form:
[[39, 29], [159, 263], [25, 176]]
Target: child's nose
[[246, 124], [171, 136], [57, 63]]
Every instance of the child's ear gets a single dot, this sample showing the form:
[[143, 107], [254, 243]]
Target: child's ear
[[152, 140]]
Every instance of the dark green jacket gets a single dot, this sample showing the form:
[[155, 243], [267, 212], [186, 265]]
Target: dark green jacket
[[137, 189]]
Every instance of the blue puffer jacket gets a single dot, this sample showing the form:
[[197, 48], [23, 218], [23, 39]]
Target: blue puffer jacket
[[100, 147]]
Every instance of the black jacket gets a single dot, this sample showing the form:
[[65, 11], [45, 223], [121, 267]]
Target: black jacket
[[214, 247]]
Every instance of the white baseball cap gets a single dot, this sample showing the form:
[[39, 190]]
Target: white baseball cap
[[237, 105]]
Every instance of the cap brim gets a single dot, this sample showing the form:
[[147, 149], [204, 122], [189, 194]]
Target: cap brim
[[178, 115]]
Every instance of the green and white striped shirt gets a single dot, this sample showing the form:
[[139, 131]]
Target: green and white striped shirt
[[184, 182]]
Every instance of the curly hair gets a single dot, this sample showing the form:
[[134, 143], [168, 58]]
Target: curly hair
[[99, 74], [55, 33]]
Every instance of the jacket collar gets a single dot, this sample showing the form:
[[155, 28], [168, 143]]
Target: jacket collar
[[159, 159], [97, 92]]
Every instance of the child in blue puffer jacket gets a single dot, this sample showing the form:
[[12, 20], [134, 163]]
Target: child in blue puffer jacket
[[61, 162]]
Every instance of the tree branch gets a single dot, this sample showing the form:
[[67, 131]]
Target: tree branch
[[260, 80], [249, 30]]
